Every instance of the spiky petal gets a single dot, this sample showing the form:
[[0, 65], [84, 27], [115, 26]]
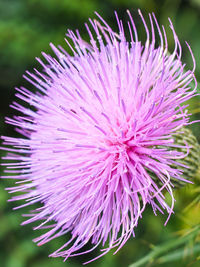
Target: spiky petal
[[99, 124]]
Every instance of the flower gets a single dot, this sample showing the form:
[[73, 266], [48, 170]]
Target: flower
[[97, 141]]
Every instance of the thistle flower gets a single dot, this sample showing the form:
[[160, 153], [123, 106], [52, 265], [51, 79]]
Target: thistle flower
[[97, 142]]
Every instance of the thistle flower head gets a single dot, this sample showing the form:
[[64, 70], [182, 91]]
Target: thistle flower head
[[97, 141]]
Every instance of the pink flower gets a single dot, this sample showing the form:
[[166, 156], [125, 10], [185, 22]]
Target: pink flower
[[100, 124]]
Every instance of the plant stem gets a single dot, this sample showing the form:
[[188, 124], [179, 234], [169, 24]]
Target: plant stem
[[158, 250]]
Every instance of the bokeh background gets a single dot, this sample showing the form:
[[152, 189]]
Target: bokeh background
[[26, 28]]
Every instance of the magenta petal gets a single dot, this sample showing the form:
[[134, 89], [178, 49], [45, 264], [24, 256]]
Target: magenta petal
[[98, 123]]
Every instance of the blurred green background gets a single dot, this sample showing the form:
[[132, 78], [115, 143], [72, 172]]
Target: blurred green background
[[26, 28]]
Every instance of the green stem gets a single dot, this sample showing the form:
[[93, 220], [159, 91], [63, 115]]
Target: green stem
[[165, 247], [178, 254]]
